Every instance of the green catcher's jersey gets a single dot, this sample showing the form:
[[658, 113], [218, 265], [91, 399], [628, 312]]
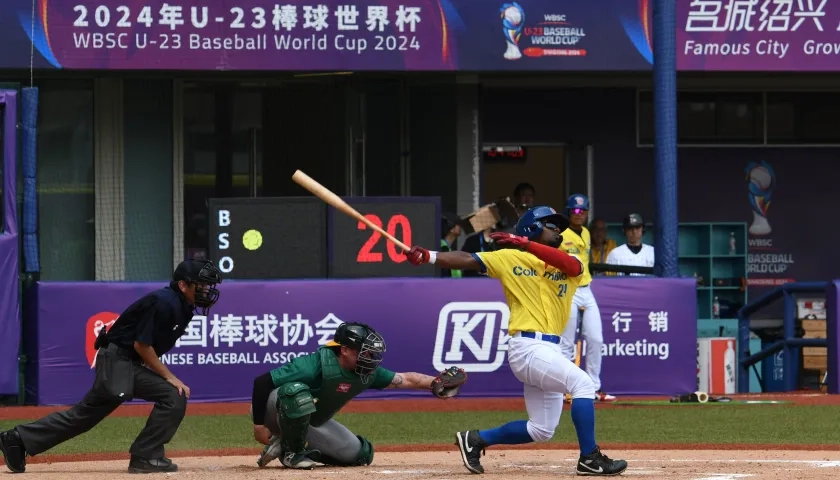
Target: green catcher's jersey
[[329, 383]]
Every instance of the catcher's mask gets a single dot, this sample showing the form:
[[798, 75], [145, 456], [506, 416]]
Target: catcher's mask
[[205, 276], [367, 341]]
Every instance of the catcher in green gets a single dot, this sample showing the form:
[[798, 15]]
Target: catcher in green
[[292, 406]]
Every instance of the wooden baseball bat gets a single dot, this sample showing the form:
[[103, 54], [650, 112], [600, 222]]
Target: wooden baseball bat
[[336, 202], [579, 331]]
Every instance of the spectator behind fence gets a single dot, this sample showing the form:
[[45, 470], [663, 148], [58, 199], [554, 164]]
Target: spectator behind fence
[[450, 228], [601, 246], [634, 252], [523, 197]]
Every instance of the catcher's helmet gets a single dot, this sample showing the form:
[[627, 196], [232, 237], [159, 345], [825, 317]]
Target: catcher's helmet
[[577, 201], [633, 220], [368, 342], [532, 222]]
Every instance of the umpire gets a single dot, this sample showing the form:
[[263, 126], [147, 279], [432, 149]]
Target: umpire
[[127, 366]]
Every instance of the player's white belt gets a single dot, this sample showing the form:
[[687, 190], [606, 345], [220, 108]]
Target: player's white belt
[[539, 336]]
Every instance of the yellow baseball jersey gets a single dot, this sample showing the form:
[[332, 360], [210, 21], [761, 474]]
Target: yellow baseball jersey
[[578, 245], [539, 296]]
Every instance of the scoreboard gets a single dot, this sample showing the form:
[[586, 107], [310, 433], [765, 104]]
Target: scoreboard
[[262, 238], [302, 237]]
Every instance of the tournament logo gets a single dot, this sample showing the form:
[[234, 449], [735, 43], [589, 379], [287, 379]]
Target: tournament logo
[[94, 324], [513, 17], [554, 36], [761, 180]]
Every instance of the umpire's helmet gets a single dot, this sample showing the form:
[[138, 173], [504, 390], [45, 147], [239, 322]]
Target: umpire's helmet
[[205, 275], [577, 201], [368, 342], [532, 222]]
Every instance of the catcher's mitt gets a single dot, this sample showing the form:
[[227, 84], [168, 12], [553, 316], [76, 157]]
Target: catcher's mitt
[[447, 384]]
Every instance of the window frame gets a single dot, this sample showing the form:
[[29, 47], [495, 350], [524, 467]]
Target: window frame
[[765, 142]]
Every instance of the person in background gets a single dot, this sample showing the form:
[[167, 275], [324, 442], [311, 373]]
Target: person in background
[[601, 245], [577, 242], [634, 252], [476, 243], [450, 227], [523, 197]]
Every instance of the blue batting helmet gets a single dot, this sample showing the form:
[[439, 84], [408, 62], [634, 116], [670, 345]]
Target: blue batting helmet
[[532, 222], [577, 201]]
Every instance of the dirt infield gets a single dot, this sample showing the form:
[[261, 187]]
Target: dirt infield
[[534, 465], [534, 461], [403, 405]]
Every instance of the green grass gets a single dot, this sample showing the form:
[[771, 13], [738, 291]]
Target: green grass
[[735, 424]]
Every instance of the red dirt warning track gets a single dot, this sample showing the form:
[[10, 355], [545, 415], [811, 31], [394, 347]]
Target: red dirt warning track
[[403, 405]]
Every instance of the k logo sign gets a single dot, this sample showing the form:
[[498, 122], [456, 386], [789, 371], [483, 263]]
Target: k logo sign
[[94, 325], [472, 335]]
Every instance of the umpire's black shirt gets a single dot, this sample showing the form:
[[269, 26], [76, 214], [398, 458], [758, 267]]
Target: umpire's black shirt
[[157, 319]]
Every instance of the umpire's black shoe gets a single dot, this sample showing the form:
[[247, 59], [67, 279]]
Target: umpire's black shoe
[[13, 450], [599, 465], [472, 447], [156, 465]]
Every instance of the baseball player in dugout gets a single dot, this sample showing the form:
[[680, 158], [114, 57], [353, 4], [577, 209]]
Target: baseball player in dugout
[[634, 253], [128, 366], [539, 281], [292, 406], [576, 241]]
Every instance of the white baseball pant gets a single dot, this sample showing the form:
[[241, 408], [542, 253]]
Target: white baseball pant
[[547, 376], [592, 335]]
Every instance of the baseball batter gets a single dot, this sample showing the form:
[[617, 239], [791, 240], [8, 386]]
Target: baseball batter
[[634, 253], [576, 242], [292, 406], [539, 281]]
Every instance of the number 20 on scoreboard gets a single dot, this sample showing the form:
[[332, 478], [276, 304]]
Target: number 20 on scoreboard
[[366, 252]]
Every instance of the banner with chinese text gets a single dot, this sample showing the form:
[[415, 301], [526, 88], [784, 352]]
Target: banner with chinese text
[[417, 35], [758, 35], [429, 324], [328, 35]]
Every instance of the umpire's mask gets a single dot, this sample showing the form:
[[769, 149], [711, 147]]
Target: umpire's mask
[[367, 341], [205, 276]]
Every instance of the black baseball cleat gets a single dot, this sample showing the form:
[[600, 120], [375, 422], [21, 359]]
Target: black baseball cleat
[[597, 464], [472, 447], [155, 465], [13, 451]]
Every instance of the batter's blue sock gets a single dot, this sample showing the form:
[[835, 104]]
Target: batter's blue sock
[[583, 416], [511, 433]]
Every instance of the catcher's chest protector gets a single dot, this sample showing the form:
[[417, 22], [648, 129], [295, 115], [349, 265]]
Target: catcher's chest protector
[[337, 388]]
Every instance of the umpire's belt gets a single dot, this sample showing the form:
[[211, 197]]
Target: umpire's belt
[[122, 352], [540, 336]]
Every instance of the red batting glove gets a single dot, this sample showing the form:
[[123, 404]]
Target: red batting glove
[[503, 238], [417, 255]]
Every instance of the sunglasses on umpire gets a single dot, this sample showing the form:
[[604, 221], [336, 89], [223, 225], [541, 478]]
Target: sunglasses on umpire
[[578, 211]]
